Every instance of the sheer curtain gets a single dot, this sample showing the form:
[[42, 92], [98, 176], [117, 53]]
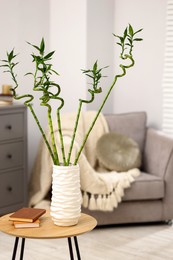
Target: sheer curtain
[[167, 124]]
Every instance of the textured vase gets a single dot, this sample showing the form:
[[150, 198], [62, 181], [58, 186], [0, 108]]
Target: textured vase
[[65, 206]]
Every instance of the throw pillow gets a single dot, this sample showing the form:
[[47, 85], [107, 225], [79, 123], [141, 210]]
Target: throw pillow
[[118, 152], [132, 124]]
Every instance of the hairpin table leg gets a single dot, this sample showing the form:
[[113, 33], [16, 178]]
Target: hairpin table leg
[[22, 248], [77, 248], [70, 248], [15, 248]]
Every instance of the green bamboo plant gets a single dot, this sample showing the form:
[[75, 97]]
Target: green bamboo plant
[[43, 83]]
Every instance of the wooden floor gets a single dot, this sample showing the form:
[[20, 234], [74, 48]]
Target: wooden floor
[[137, 242]]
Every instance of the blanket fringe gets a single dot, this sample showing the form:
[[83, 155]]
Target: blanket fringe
[[85, 200], [101, 202], [108, 202]]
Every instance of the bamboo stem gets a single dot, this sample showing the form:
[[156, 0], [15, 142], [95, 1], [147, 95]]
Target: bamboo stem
[[74, 132], [42, 132], [27, 103], [56, 158], [123, 67], [61, 137]]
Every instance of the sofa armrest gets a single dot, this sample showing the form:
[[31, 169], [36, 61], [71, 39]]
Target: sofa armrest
[[158, 153], [158, 160]]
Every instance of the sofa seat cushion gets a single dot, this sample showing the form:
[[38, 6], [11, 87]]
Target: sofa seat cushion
[[145, 187]]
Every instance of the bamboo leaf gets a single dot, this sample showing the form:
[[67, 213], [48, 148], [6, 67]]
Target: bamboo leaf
[[125, 33], [36, 47], [138, 39], [49, 55], [89, 76], [117, 36], [138, 31], [14, 64], [121, 39], [130, 30], [86, 71], [42, 46], [119, 43], [128, 44], [5, 65], [10, 55], [130, 40], [29, 73], [95, 66], [54, 71]]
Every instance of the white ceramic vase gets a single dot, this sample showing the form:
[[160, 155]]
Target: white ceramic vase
[[65, 206]]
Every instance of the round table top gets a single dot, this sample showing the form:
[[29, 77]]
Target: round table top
[[47, 228]]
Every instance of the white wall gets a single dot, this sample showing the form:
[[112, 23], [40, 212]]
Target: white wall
[[100, 46], [68, 38], [21, 21], [141, 90]]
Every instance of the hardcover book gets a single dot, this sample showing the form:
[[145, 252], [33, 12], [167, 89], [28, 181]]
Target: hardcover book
[[27, 214], [20, 224]]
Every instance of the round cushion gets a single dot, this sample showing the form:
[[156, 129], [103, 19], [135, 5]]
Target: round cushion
[[118, 152]]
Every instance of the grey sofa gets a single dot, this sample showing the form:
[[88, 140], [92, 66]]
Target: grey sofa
[[150, 197]]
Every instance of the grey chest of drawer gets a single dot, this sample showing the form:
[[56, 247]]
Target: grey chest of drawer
[[13, 158]]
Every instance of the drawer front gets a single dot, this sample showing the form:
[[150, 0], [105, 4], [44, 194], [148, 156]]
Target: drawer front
[[11, 126], [11, 155], [11, 188]]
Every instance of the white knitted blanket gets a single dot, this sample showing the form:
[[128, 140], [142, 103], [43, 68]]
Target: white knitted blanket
[[100, 190]]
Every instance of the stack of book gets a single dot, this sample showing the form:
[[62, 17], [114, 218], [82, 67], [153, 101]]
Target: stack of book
[[27, 217], [6, 99]]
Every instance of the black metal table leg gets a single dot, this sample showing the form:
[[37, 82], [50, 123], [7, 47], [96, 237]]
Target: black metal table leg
[[70, 248], [22, 248], [77, 248], [15, 248]]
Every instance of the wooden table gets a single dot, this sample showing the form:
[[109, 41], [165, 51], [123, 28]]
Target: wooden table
[[48, 230]]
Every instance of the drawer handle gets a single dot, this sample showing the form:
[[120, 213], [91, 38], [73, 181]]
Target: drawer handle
[[9, 127], [9, 188], [9, 156]]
